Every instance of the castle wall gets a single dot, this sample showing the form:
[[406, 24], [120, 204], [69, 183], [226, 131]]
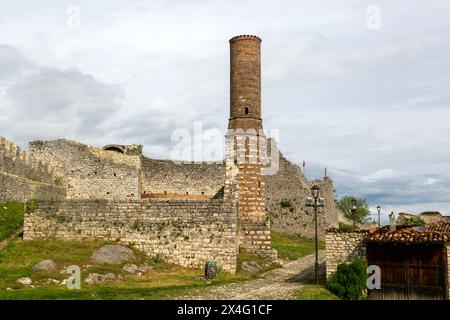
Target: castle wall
[[343, 247], [90, 172], [184, 232], [165, 179], [287, 191], [23, 177]]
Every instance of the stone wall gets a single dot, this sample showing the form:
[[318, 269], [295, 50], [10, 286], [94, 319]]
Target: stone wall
[[287, 191], [342, 247], [184, 232], [169, 179], [90, 172], [23, 177]]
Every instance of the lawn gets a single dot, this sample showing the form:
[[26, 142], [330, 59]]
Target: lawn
[[163, 281], [293, 247], [11, 219], [313, 292]]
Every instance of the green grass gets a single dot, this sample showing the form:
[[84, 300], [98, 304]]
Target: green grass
[[164, 281], [313, 292], [11, 219], [293, 247]]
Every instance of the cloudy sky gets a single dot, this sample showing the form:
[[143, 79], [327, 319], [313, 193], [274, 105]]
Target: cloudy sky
[[361, 90]]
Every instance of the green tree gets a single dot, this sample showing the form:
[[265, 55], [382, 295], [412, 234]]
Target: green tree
[[362, 208]]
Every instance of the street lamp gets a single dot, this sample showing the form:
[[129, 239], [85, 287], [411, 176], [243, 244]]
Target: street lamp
[[379, 212], [353, 210], [315, 202]]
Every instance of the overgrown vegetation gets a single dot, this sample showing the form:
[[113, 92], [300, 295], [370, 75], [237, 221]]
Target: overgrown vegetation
[[361, 214], [313, 292], [293, 247], [350, 280], [31, 205], [413, 222], [11, 218], [345, 227]]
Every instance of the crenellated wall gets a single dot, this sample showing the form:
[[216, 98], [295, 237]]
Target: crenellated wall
[[91, 172], [23, 177], [184, 232]]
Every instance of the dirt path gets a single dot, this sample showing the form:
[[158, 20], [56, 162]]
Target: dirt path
[[276, 284]]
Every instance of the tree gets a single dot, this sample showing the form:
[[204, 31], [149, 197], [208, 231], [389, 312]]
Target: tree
[[362, 209]]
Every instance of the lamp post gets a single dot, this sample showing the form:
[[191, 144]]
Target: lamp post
[[379, 212], [353, 210], [315, 202]]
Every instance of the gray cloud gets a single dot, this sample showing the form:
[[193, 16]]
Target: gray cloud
[[358, 101]]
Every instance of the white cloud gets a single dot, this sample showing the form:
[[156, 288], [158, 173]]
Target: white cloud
[[381, 175]]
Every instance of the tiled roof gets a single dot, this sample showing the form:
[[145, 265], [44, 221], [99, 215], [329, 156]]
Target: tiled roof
[[409, 235], [441, 226]]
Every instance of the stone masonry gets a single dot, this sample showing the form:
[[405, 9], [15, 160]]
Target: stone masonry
[[188, 213], [184, 232], [342, 247]]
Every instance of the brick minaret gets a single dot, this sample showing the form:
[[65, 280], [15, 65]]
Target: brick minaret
[[245, 141]]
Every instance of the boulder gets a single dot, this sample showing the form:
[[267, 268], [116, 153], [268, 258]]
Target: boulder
[[112, 254], [25, 281], [45, 265], [130, 268]]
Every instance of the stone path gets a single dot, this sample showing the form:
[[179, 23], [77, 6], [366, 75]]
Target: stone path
[[276, 284]]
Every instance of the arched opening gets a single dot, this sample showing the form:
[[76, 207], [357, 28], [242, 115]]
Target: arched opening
[[115, 148], [246, 110]]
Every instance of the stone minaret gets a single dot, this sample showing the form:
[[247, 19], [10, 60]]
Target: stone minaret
[[245, 142]]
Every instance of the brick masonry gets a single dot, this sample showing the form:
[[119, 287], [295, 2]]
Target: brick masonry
[[184, 232], [342, 247]]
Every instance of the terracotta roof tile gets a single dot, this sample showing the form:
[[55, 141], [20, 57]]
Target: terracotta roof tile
[[409, 235], [441, 226]]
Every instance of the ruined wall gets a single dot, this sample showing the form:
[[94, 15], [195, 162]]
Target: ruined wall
[[166, 179], [287, 191], [23, 177], [448, 269], [342, 247], [184, 232], [90, 172]]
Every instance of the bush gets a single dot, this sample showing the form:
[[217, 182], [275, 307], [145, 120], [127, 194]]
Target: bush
[[350, 280], [345, 227], [413, 222], [285, 203]]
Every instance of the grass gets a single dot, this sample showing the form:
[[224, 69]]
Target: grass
[[11, 219], [313, 292], [293, 247], [163, 281]]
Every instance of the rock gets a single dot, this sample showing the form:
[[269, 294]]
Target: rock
[[112, 254], [201, 278], [54, 281], [130, 268], [9, 289], [45, 265], [109, 276], [25, 281], [94, 278], [251, 266], [144, 268]]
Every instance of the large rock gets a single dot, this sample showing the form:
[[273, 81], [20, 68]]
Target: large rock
[[94, 278], [25, 281], [45, 265], [112, 254]]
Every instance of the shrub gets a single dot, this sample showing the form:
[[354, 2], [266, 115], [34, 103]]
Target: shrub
[[285, 203], [345, 227], [413, 222], [350, 280]]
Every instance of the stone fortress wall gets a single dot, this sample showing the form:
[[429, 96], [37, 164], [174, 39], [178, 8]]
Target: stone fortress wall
[[169, 179], [91, 172], [184, 232], [23, 177]]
